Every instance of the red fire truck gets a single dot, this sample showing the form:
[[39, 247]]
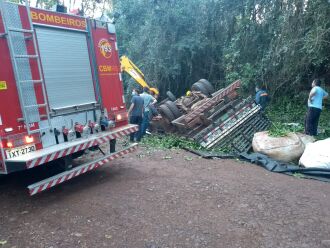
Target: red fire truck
[[61, 92]]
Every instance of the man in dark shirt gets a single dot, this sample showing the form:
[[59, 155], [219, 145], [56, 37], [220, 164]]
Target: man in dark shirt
[[136, 114], [262, 97]]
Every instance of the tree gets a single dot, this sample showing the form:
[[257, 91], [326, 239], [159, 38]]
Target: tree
[[281, 43]]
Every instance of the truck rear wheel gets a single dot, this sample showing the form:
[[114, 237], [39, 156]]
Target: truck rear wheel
[[171, 96], [166, 112], [174, 109], [207, 85], [198, 86]]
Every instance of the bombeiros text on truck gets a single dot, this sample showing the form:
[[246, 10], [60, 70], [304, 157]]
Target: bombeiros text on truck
[[61, 92]]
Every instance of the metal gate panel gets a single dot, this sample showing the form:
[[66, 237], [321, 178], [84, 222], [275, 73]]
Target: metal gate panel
[[66, 67]]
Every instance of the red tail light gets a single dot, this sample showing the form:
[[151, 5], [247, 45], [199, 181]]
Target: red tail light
[[121, 116], [17, 140]]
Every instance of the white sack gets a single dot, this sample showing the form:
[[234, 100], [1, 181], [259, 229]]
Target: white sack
[[316, 154]]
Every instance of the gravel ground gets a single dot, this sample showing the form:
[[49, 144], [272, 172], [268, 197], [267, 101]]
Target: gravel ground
[[168, 198]]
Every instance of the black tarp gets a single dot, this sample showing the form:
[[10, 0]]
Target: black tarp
[[270, 164]]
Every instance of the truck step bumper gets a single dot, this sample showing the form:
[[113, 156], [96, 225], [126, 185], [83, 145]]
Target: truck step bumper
[[77, 171], [48, 154]]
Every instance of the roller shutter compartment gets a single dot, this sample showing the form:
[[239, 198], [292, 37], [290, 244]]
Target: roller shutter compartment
[[66, 68]]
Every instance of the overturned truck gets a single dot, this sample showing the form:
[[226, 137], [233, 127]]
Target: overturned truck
[[219, 119]]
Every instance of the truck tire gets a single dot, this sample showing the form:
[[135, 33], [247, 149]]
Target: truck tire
[[207, 85], [171, 96], [166, 112], [198, 86], [174, 109]]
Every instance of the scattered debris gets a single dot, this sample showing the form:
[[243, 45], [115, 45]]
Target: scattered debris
[[167, 157], [188, 158], [108, 236], [3, 242], [77, 234], [204, 154], [298, 175]]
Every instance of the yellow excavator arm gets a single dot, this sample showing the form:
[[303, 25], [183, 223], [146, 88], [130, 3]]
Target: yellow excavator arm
[[129, 67]]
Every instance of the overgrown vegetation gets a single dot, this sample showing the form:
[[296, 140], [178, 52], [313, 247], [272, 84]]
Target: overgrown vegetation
[[170, 141], [283, 44], [278, 130], [288, 115]]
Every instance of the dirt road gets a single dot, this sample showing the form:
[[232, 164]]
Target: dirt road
[[168, 199]]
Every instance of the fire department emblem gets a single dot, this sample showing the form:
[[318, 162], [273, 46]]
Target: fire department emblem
[[105, 48]]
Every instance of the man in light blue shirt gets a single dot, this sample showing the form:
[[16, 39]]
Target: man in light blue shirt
[[315, 101]]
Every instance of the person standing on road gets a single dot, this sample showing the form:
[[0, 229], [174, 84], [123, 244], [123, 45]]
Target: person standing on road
[[262, 97], [135, 113], [148, 100], [315, 100]]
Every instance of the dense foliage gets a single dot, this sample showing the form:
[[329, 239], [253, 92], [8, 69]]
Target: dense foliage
[[283, 44], [288, 115]]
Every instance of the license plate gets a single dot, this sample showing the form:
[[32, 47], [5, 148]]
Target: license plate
[[20, 151]]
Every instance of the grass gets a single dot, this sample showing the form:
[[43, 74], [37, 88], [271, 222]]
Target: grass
[[288, 115], [169, 141], [172, 141], [278, 129]]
